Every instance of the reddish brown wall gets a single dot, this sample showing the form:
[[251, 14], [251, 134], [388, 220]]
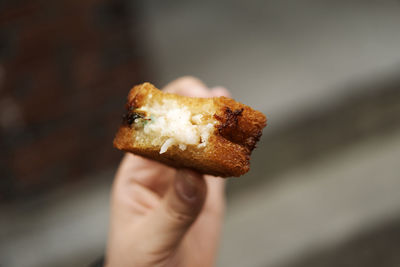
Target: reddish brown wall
[[67, 66]]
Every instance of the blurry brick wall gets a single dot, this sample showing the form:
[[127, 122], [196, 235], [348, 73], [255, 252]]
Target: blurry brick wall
[[65, 69]]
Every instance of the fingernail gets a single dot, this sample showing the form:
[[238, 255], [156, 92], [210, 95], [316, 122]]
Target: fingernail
[[186, 185]]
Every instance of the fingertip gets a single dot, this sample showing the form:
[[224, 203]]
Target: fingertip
[[220, 91], [188, 80], [188, 86]]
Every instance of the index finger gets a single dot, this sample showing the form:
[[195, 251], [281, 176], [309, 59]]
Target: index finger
[[188, 86]]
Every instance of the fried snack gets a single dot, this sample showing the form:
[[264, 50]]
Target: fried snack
[[210, 135]]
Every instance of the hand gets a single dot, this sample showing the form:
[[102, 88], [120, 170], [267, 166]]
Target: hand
[[161, 216]]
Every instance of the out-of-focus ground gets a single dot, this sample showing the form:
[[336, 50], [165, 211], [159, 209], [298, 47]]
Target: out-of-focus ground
[[323, 189]]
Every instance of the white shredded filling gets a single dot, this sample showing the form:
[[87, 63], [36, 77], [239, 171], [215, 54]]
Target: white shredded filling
[[177, 124]]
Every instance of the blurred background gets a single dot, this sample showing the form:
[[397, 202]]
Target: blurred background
[[324, 184]]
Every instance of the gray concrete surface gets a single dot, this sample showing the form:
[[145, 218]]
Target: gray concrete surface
[[310, 207], [314, 206], [65, 228]]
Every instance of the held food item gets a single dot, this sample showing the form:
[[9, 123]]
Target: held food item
[[211, 135]]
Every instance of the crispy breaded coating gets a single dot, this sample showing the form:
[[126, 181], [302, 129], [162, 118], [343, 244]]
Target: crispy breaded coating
[[210, 135]]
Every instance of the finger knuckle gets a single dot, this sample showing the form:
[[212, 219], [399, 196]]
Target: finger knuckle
[[179, 216]]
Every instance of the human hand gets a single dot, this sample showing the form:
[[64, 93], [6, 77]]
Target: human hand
[[161, 216]]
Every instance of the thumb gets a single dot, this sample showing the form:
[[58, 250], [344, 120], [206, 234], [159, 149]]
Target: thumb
[[178, 210]]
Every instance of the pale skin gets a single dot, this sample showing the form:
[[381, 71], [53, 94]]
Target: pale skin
[[161, 216]]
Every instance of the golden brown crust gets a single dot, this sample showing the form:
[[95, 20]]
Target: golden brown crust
[[228, 150]]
